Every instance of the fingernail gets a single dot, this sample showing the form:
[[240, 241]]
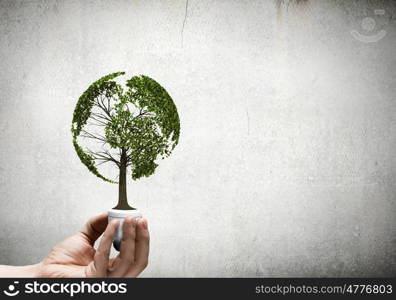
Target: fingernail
[[144, 223], [133, 222]]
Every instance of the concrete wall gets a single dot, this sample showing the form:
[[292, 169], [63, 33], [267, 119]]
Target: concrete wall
[[286, 164]]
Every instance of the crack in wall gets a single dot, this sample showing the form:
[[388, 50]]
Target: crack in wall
[[248, 118], [184, 23]]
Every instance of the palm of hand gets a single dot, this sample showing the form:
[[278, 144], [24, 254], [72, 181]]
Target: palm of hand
[[69, 258], [76, 256]]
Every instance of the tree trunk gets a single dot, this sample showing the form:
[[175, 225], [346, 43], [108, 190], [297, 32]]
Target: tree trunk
[[122, 184]]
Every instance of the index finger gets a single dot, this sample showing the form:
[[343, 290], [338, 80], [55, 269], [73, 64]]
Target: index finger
[[101, 258]]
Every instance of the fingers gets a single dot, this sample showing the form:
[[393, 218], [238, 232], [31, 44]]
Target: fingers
[[141, 249], [101, 258], [126, 257], [133, 258], [94, 227]]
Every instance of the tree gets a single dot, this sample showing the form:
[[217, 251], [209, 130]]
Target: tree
[[128, 127]]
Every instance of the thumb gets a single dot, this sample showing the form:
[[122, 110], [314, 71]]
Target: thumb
[[94, 228]]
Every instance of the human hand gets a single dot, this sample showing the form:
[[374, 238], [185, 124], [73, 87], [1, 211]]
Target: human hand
[[76, 256]]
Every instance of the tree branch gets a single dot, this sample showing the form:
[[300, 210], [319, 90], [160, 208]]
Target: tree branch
[[99, 124], [146, 113], [103, 156], [99, 102], [100, 118], [89, 135]]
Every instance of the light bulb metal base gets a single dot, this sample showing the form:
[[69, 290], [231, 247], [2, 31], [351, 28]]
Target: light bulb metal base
[[120, 215]]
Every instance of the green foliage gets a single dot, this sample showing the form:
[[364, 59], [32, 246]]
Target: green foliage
[[143, 121], [89, 161], [84, 105], [149, 93]]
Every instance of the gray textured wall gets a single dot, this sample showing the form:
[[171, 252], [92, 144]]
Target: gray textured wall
[[286, 164]]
